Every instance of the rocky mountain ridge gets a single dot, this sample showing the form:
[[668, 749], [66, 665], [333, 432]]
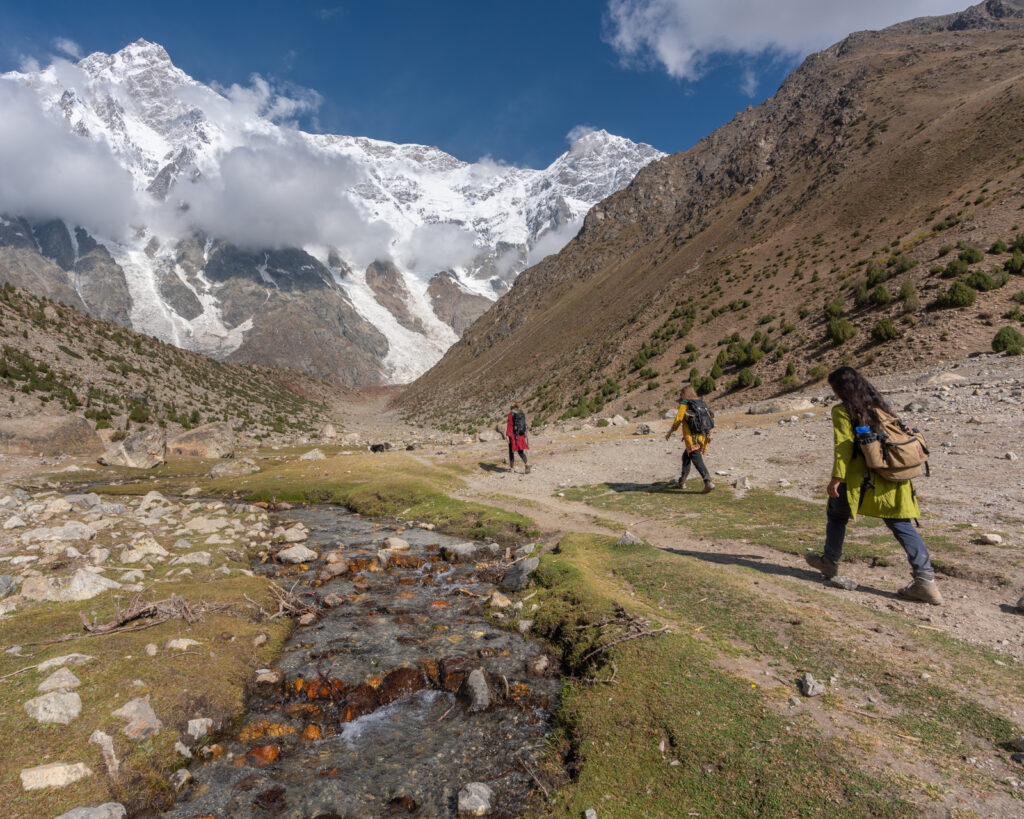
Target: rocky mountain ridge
[[241, 237], [892, 155]]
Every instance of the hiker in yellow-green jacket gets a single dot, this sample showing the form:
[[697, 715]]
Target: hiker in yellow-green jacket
[[695, 444], [851, 493]]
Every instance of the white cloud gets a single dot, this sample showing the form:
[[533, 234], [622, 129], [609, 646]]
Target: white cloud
[[68, 47], [280, 193], [436, 247], [233, 106], [748, 85], [47, 172], [681, 35], [553, 241], [579, 132]]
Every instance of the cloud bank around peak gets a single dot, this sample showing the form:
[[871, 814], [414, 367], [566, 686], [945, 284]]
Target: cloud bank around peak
[[47, 172], [681, 36]]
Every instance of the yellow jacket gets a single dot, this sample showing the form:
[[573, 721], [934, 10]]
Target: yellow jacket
[[692, 441]]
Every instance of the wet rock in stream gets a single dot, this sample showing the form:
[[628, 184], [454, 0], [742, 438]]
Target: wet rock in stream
[[396, 697]]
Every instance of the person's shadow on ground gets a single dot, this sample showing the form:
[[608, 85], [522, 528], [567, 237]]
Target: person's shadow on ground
[[658, 487], [758, 563], [489, 467]]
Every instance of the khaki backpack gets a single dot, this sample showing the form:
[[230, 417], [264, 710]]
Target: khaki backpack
[[893, 451]]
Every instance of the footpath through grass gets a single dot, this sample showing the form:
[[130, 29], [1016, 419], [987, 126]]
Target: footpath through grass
[[759, 516], [694, 726]]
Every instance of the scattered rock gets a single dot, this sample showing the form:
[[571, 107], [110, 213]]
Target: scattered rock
[[295, 534], [143, 450], [199, 728], [499, 601], [475, 800], [65, 659], [61, 707], [106, 745], [840, 582], [742, 483], [181, 644], [81, 585], [460, 552], [108, 810], [8, 585], [475, 692], [192, 558], [181, 778], [990, 539], [60, 680], [233, 469], [72, 530], [296, 554], [313, 455], [642, 429], [151, 649], [53, 775], [395, 544], [629, 539], [518, 574], [144, 549], [214, 440], [809, 686], [142, 719], [48, 435], [14, 523], [1020, 604], [1010, 456], [782, 405], [263, 755], [334, 568]]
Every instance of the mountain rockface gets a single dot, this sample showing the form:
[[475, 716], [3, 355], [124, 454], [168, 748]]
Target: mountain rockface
[[352, 258], [891, 160]]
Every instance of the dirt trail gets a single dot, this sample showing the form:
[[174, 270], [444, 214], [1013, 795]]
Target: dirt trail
[[972, 417]]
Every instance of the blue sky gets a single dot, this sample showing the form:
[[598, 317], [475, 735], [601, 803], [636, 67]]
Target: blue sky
[[482, 78]]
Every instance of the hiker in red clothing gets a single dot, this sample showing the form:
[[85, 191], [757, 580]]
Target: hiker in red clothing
[[515, 434]]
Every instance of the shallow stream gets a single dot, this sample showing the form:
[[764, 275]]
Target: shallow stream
[[373, 714]]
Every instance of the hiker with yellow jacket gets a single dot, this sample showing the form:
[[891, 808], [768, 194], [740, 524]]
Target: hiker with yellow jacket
[[855, 490], [696, 441]]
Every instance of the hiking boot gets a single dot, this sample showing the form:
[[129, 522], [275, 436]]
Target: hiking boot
[[822, 564], [527, 469], [924, 591], [708, 486]]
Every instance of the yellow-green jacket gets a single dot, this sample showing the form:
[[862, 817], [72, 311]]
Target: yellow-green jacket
[[887, 499]]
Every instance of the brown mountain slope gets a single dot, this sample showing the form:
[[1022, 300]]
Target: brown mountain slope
[[843, 179]]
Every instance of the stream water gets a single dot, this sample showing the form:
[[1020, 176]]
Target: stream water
[[373, 714]]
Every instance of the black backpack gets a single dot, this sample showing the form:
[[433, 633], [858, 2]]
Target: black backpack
[[699, 418], [518, 423]]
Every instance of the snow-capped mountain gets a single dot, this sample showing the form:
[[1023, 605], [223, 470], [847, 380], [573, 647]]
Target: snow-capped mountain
[[193, 214]]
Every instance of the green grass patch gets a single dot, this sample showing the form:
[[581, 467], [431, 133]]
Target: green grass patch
[[734, 754]]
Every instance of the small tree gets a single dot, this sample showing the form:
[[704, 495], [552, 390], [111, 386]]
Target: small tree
[[1008, 340], [981, 281], [884, 331], [705, 385], [745, 378], [880, 295], [1015, 264], [971, 254], [833, 309], [958, 295], [840, 331]]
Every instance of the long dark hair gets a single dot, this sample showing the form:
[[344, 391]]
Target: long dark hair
[[858, 395]]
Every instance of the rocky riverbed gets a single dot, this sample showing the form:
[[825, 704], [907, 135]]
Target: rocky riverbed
[[400, 691]]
